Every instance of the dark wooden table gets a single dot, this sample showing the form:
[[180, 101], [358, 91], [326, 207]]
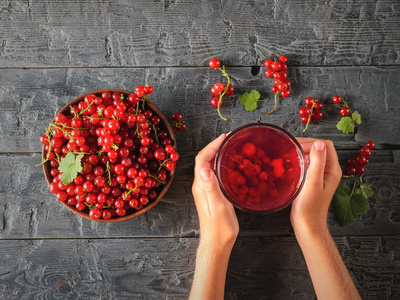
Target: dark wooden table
[[53, 51]]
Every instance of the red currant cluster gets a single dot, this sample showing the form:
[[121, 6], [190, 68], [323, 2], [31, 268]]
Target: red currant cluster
[[357, 165], [219, 89], [127, 153], [312, 111], [345, 110], [277, 69], [178, 123]]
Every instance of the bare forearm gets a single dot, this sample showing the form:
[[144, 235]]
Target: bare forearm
[[209, 277], [329, 275]]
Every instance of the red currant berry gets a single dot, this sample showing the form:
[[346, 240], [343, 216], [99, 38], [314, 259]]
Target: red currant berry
[[170, 165], [351, 170], [139, 91], [268, 63], [276, 66], [285, 93], [304, 111], [317, 115], [371, 145], [177, 117], [366, 152], [361, 160], [269, 73], [214, 102], [214, 63], [219, 87], [309, 101], [230, 90], [360, 169], [148, 89], [351, 161], [304, 120], [282, 58], [336, 99], [344, 111]]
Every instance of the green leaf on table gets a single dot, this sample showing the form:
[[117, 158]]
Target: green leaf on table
[[367, 190], [356, 117], [249, 100], [345, 125], [70, 166], [348, 206]]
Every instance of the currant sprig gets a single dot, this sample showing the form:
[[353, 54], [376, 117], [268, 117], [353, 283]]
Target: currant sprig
[[312, 111], [347, 123], [219, 90]]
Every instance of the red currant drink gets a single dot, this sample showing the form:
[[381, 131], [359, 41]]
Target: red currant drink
[[260, 168]]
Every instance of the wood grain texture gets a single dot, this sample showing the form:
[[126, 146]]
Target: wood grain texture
[[260, 268], [29, 210], [30, 98], [188, 33]]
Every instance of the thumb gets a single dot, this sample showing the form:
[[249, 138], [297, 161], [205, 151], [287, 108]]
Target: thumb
[[210, 184], [315, 175]]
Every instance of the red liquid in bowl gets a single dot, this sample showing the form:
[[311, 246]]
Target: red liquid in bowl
[[260, 167]]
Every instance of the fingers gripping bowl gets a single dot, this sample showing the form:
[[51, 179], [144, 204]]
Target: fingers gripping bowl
[[260, 168], [109, 155]]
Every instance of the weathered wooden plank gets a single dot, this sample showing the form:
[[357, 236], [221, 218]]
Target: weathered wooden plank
[[259, 268], [189, 33], [30, 98], [29, 210]]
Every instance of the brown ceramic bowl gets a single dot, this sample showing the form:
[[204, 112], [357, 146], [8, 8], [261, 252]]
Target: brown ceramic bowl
[[46, 166]]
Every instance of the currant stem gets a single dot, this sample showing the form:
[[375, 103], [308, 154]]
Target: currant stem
[[158, 180], [224, 92], [276, 95], [108, 173], [309, 116]]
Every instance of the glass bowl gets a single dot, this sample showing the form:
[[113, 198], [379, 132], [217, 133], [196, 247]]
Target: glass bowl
[[260, 168]]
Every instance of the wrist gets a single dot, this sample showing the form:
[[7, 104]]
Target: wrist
[[309, 234], [216, 245]]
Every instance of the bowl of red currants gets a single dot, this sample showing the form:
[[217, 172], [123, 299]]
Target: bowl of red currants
[[110, 155], [260, 167]]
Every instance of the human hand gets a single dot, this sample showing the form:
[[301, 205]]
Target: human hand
[[310, 209], [218, 221]]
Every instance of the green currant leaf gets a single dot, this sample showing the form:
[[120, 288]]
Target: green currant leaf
[[367, 190], [70, 166], [348, 207], [345, 125], [249, 100], [356, 117]]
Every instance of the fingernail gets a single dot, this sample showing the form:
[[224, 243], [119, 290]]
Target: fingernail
[[319, 145], [205, 174]]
